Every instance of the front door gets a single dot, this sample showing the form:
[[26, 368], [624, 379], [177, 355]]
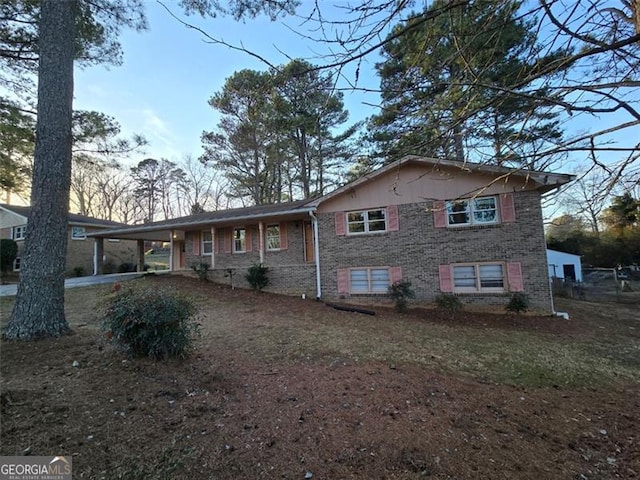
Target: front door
[[309, 251], [178, 255]]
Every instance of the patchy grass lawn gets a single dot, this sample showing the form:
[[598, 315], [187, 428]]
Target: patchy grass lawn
[[283, 388]]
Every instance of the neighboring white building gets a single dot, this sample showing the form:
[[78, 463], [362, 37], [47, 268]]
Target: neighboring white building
[[564, 265]]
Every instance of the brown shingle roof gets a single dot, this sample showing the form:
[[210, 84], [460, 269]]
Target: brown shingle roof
[[220, 216], [73, 217]]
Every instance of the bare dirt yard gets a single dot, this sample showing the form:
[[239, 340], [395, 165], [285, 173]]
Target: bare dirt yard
[[281, 387]]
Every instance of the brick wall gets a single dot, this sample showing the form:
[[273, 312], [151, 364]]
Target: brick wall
[[5, 232], [288, 271], [419, 248]]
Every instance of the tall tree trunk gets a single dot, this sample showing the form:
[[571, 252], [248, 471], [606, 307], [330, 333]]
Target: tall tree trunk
[[458, 142], [39, 308]]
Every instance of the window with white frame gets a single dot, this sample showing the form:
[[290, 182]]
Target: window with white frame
[[16, 264], [478, 277], [19, 232], [367, 221], [476, 211], [369, 280], [207, 242], [273, 237], [78, 233], [239, 240]]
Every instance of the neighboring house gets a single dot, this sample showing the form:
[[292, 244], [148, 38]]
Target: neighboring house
[[80, 249], [565, 266], [447, 227]]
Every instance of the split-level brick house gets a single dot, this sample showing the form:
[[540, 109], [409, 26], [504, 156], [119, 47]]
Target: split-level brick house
[[80, 249], [448, 227]]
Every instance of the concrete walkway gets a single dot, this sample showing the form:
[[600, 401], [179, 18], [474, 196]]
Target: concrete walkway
[[10, 290]]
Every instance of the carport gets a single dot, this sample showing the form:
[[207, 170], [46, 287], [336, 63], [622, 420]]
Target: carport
[[139, 233]]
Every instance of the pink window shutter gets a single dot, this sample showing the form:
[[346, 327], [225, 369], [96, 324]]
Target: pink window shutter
[[507, 208], [247, 240], [216, 241], [439, 214], [196, 243], [284, 240], [396, 274], [341, 219], [446, 279], [228, 234], [393, 222], [343, 280], [514, 273]]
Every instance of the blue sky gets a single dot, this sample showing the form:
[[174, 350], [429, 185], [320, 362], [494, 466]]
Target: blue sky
[[169, 73]]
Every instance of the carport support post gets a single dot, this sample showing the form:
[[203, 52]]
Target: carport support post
[[213, 247], [141, 255], [98, 253]]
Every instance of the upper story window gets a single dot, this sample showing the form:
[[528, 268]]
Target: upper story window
[[273, 237], [239, 240], [367, 221], [482, 277], [20, 232], [477, 211], [207, 242], [78, 233]]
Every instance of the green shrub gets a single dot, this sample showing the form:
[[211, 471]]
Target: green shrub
[[127, 267], [108, 267], [8, 253], [449, 303], [151, 322], [519, 303], [202, 270], [400, 292], [78, 271], [257, 276]]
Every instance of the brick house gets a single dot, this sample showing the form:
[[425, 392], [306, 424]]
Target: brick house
[[80, 249], [448, 227]]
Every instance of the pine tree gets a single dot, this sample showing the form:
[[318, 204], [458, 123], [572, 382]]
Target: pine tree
[[450, 87]]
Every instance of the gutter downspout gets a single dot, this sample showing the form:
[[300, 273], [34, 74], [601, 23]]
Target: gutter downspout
[[316, 253], [261, 241]]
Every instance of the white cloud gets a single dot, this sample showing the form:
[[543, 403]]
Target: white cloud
[[163, 141]]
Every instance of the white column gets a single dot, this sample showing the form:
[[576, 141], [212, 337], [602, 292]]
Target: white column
[[171, 250], [95, 257], [213, 247]]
